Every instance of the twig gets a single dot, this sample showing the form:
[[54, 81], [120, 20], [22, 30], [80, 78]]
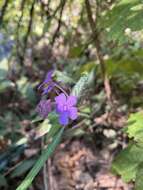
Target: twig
[[18, 27], [28, 30], [59, 22], [95, 34], [50, 179], [3, 10]]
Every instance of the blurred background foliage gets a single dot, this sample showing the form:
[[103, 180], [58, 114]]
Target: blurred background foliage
[[103, 38]]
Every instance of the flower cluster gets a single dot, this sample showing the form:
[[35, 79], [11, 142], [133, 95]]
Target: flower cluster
[[63, 104]]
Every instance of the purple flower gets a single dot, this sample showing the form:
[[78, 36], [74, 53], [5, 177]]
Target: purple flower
[[66, 108], [44, 107], [47, 85]]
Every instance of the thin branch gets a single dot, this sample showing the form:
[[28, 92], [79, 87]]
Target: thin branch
[[28, 30], [59, 22], [96, 38], [50, 178], [3, 10], [18, 27]]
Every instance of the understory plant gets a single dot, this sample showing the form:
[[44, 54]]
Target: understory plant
[[62, 107]]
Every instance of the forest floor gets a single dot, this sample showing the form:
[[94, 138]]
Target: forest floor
[[81, 165]]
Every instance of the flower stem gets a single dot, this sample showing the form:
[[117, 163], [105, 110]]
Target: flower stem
[[61, 89]]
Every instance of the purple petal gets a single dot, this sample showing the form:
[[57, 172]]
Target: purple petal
[[63, 119], [72, 100], [61, 99], [47, 90], [48, 76], [40, 86], [73, 113], [43, 108]]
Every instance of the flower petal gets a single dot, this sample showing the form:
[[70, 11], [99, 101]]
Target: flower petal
[[72, 100], [61, 99], [63, 119], [43, 108], [48, 76], [73, 113]]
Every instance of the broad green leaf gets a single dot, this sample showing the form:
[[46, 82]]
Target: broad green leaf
[[139, 178], [40, 162], [127, 67], [127, 162], [135, 126], [50, 125], [80, 86], [44, 128]]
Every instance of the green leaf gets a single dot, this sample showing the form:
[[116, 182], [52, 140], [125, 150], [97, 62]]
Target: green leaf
[[3, 74], [5, 84], [62, 77], [75, 51], [3, 182], [127, 162], [44, 128], [125, 66], [40, 162], [22, 168], [37, 119], [125, 14], [80, 86], [135, 127], [139, 178], [26, 89]]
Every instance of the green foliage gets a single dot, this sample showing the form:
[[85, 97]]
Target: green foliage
[[22, 168], [3, 182], [127, 67], [80, 86], [5, 84], [135, 127], [73, 51], [139, 177], [128, 163], [26, 89], [125, 14], [40, 162]]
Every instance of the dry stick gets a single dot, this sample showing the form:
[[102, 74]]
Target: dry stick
[[59, 22], [3, 10], [28, 30], [95, 35], [18, 27], [50, 178], [52, 15]]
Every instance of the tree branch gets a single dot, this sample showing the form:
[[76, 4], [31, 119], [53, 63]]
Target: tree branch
[[3, 10], [18, 27], [59, 22], [28, 30], [96, 38]]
